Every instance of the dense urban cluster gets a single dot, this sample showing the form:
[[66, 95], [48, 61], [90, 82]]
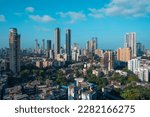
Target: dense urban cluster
[[52, 72]]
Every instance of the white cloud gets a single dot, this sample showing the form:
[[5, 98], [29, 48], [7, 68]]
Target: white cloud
[[128, 8], [44, 18], [29, 9], [42, 29], [2, 18], [95, 13], [74, 16]]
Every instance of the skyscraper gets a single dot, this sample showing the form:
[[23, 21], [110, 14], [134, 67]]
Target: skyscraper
[[68, 44], [48, 49], [88, 45], [36, 46], [123, 54], [57, 41], [95, 44], [130, 42], [14, 55], [91, 45], [139, 49], [43, 45], [108, 59], [49, 45]]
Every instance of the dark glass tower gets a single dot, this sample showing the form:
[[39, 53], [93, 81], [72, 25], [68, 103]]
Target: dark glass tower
[[68, 44], [49, 45], [57, 42]]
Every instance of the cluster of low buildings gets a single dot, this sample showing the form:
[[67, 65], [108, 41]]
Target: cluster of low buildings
[[3, 85], [14, 93], [44, 63], [82, 90], [79, 90], [36, 91]]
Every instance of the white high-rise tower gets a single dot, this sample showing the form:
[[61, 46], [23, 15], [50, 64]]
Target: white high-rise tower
[[130, 42]]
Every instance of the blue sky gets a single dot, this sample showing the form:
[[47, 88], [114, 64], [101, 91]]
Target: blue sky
[[108, 20]]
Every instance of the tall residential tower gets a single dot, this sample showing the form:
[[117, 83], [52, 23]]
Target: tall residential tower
[[92, 45], [68, 44], [130, 42], [57, 41], [14, 46]]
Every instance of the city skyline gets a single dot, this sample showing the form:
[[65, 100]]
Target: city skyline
[[108, 21]]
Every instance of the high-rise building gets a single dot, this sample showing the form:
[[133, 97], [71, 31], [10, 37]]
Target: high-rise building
[[62, 51], [49, 49], [51, 54], [147, 52], [144, 74], [43, 45], [36, 46], [130, 42], [134, 64], [57, 42], [68, 44], [14, 55], [108, 59], [99, 52], [140, 67], [38, 50], [49, 45], [76, 52], [123, 54], [95, 43], [91, 45], [88, 45], [140, 49]]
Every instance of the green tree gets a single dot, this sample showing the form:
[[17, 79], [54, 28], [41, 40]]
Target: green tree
[[35, 72], [25, 73], [117, 77], [89, 72], [61, 78], [132, 78], [134, 92], [41, 73]]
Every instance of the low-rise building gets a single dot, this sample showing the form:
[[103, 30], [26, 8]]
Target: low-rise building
[[122, 73], [82, 90], [39, 64]]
